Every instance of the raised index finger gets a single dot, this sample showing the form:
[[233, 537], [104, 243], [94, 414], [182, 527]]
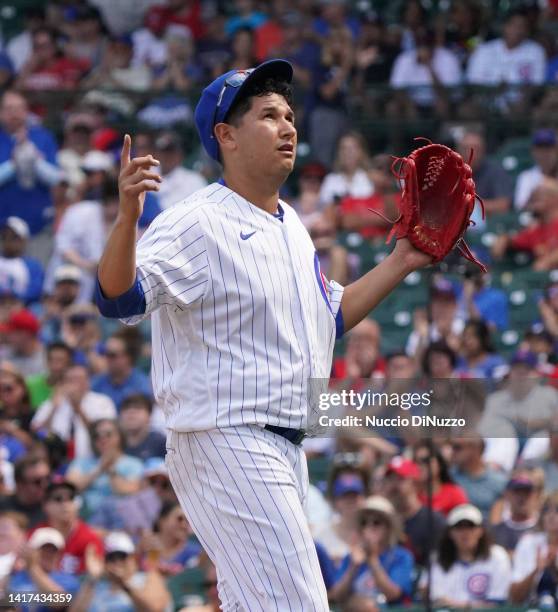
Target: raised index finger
[[125, 153]]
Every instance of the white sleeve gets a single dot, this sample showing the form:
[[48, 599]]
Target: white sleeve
[[335, 295], [524, 557], [450, 73], [475, 66], [501, 574], [539, 72], [171, 260], [398, 77]]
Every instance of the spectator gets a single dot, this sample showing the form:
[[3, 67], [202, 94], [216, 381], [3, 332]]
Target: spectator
[[243, 47], [180, 73], [122, 378], [412, 19], [348, 486], [513, 59], [462, 30], [479, 300], [172, 541], [521, 511], [27, 164], [20, 46], [330, 88], [269, 35], [377, 568], [135, 423], [65, 295], [32, 475], [41, 573], [439, 361], [116, 69], [333, 257], [482, 484], [307, 201], [469, 570], [116, 585], [24, 274], [213, 49], [178, 182], [25, 350], [544, 151], [61, 509], [362, 357], [182, 12], [110, 473], [41, 386], [478, 358], [446, 495], [78, 133], [534, 558], [15, 407], [12, 539], [246, 17], [540, 238], [334, 14], [81, 331], [349, 177], [48, 68], [86, 36], [493, 184], [71, 411], [423, 72], [422, 527]]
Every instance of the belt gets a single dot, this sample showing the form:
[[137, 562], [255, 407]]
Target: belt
[[292, 435]]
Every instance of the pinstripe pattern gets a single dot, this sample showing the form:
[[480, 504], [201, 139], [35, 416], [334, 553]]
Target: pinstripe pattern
[[239, 328], [243, 494]]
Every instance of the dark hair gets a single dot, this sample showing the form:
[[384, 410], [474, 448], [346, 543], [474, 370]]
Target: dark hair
[[243, 103], [166, 509], [441, 346], [347, 468], [447, 550], [132, 340], [60, 346], [93, 433], [26, 462], [53, 34], [482, 331], [109, 189], [136, 398], [396, 353], [435, 452]]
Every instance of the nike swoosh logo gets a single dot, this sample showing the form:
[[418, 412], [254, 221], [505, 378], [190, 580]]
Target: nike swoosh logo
[[246, 236]]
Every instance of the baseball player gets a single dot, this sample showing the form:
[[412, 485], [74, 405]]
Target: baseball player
[[242, 318]]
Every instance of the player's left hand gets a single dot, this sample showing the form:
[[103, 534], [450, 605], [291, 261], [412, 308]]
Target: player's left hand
[[410, 256]]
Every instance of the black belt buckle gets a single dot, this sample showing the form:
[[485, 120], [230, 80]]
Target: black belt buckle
[[295, 436]]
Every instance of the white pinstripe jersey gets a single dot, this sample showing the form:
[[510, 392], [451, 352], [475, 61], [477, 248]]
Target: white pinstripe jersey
[[241, 315]]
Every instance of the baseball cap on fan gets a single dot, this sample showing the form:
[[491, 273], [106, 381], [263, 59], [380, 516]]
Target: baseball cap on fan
[[218, 97]]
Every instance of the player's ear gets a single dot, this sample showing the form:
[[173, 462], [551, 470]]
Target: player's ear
[[225, 134]]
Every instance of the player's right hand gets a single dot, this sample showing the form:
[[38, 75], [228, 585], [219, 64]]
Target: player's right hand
[[135, 178]]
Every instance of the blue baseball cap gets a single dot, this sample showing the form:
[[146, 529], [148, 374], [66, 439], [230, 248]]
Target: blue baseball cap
[[348, 483], [218, 97]]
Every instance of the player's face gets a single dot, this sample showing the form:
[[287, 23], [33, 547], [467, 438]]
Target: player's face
[[266, 136]]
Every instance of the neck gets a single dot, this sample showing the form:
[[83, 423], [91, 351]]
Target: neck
[[170, 540], [64, 527], [133, 438], [119, 377], [410, 506], [466, 556], [262, 194], [475, 467]]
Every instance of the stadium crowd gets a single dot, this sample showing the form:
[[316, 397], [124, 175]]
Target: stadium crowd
[[86, 507]]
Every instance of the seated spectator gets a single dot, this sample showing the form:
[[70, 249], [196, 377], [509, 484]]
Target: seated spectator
[[15, 407], [493, 184], [479, 300], [48, 68], [423, 72], [13, 526], [333, 258], [513, 59], [482, 484], [362, 357], [110, 473], [307, 201], [328, 113], [520, 513], [534, 558], [462, 28], [171, 543], [478, 358], [61, 507], [422, 527], [377, 568], [243, 49], [86, 36], [25, 350], [544, 151], [40, 572], [116, 69], [439, 361], [178, 182], [122, 378], [78, 142], [20, 47], [135, 423], [180, 72], [469, 570], [446, 495], [541, 237], [349, 178], [27, 164], [41, 386], [25, 274], [115, 584], [524, 409], [71, 411], [32, 475], [370, 216], [348, 486]]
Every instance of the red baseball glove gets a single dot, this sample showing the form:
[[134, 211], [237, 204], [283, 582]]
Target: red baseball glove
[[437, 202]]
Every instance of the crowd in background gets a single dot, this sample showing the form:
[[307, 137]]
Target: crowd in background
[[86, 506]]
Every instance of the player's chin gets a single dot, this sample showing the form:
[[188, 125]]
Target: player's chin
[[287, 160]]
